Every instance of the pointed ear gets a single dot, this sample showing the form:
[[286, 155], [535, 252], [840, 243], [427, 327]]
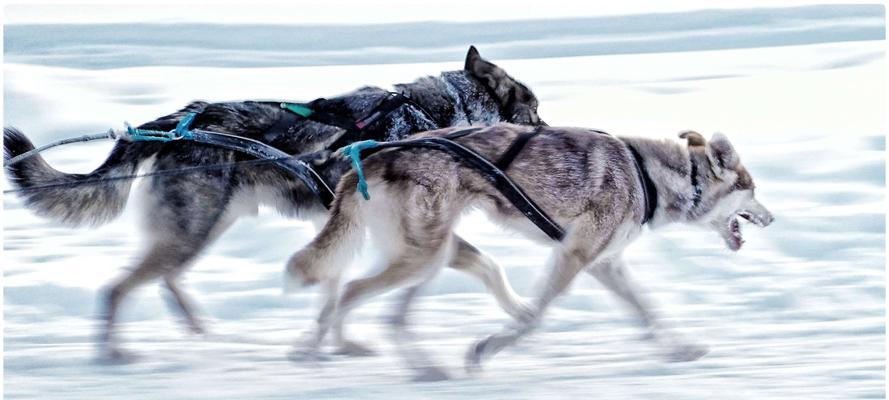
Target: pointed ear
[[694, 139], [489, 74], [472, 57], [722, 154]]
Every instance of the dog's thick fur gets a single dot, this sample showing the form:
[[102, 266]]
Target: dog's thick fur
[[586, 180], [186, 212]]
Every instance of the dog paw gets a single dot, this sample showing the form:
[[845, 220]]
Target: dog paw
[[197, 329], [431, 374], [353, 349], [116, 356], [473, 359], [687, 352], [306, 355]]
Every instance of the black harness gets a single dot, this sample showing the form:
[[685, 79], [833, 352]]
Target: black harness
[[649, 192], [515, 148], [696, 199], [495, 173], [353, 129]]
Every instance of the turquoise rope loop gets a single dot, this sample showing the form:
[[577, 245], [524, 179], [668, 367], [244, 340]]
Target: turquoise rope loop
[[353, 152], [147, 135], [180, 132], [297, 109], [182, 127]]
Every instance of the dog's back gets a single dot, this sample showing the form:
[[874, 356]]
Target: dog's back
[[566, 171]]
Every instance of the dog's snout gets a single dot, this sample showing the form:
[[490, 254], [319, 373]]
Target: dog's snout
[[767, 220], [762, 219], [761, 215]]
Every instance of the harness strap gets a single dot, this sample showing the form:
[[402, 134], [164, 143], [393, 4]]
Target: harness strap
[[462, 133], [649, 192], [111, 134], [281, 126], [389, 104], [241, 144], [515, 148], [310, 112], [470, 158], [353, 129], [392, 101], [261, 150]]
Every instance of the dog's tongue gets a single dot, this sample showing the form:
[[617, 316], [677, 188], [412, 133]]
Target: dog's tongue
[[736, 233]]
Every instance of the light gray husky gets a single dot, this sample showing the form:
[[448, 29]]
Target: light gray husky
[[598, 187], [186, 212]]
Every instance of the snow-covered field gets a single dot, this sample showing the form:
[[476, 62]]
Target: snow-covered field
[[797, 313]]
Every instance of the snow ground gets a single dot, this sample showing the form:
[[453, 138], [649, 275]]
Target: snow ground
[[798, 313]]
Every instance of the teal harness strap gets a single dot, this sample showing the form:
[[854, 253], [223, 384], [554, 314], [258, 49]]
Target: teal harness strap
[[180, 132], [148, 135], [353, 152], [298, 109], [182, 127]]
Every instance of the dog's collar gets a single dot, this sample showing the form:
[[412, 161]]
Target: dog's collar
[[695, 184], [649, 191]]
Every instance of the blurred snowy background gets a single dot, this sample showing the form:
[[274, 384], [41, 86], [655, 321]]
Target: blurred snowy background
[[799, 89]]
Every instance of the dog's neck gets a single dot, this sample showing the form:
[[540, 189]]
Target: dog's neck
[[670, 166], [453, 99]]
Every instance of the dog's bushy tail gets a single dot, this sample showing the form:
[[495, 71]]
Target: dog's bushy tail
[[336, 244], [71, 199]]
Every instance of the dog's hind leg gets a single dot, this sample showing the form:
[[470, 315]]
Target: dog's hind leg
[[405, 339], [354, 293], [330, 293], [612, 273], [345, 346], [413, 270], [467, 258], [151, 267], [423, 248], [184, 304], [163, 260], [464, 257], [416, 357], [183, 214]]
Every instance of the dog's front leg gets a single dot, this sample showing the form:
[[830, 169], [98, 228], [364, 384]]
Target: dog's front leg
[[469, 259], [565, 263], [612, 273]]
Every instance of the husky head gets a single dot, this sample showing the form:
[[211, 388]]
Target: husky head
[[517, 103], [726, 189]]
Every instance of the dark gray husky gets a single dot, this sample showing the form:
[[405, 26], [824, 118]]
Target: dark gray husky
[[188, 211]]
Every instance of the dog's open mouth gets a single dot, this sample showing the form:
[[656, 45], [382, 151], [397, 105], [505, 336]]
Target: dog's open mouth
[[735, 239]]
